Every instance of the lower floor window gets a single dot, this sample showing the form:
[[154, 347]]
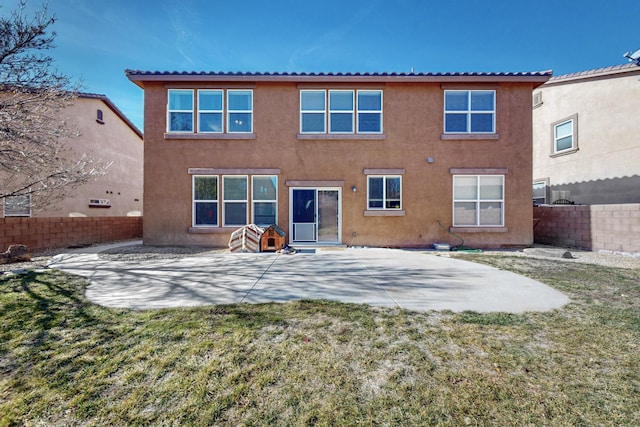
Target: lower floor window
[[384, 192], [539, 192], [205, 201], [236, 196], [17, 205], [264, 190], [234, 201], [478, 200]]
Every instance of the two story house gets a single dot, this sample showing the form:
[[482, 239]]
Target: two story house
[[586, 134], [108, 135], [376, 159]]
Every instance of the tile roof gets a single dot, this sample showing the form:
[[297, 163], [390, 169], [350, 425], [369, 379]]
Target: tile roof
[[139, 77], [596, 72], [129, 72]]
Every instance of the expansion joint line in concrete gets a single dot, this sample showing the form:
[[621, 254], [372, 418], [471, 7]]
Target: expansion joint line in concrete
[[377, 282], [259, 278]]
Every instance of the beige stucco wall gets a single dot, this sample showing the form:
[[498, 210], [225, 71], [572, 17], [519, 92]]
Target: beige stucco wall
[[608, 133], [114, 142], [413, 124]]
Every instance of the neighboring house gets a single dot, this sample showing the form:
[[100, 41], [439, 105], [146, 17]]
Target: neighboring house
[[382, 159], [108, 135], [586, 137]]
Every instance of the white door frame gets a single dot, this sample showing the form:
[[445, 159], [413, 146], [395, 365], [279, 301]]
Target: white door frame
[[317, 218]]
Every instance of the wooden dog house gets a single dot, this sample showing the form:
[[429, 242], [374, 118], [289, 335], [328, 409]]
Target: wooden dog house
[[272, 239]]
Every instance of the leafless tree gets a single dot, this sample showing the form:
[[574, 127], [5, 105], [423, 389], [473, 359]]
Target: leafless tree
[[35, 154]]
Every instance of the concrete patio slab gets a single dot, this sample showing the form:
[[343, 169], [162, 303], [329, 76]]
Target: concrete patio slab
[[411, 280]]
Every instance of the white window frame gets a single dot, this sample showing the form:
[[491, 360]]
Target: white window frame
[[384, 193], [478, 200], [230, 92], [195, 201], [545, 184], [254, 200], [170, 111], [359, 111], [341, 112], [469, 112], [323, 111], [574, 135], [235, 201], [221, 111], [12, 210]]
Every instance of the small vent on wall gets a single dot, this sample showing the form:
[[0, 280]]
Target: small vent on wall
[[537, 99], [99, 203]]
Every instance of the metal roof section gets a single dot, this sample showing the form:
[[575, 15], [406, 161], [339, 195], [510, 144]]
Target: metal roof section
[[139, 77], [596, 73]]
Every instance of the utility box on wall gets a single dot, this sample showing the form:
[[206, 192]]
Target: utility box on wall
[[272, 239]]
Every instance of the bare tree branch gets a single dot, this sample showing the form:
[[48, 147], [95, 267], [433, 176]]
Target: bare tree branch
[[35, 157]]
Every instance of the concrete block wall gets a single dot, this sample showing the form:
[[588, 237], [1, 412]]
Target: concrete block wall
[[613, 228], [42, 233]]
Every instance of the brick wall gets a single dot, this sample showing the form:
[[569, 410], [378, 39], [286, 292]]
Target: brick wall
[[41, 233], [613, 228]]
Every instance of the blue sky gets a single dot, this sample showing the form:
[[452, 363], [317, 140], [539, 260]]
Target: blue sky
[[98, 39]]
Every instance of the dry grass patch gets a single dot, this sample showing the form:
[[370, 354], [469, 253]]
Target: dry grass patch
[[65, 361]]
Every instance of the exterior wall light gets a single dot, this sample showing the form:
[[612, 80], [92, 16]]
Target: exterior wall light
[[354, 188]]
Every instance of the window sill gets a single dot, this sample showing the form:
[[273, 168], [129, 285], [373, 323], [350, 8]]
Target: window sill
[[383, 212], [209, 136], [469, 136], [210, 230], [497, 229], [564, 153], [342, 136]]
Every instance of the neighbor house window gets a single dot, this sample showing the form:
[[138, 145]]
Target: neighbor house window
[[234, 201], [478, 200], [539, 192], [341, 111], [205, 201], [240, 111], [264, 191], [17, 205], [210, 111], [180, 110], [469, 111], [384, 192], [565, 135]]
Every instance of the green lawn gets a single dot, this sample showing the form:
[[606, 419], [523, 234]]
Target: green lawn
[[65, 361]]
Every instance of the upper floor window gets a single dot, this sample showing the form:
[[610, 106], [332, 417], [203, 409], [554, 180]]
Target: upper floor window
[[565, 135], [240, 111], [180, 110], [478, 200], [384, 192], [211, 111], [469, 111], [343, 111]]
